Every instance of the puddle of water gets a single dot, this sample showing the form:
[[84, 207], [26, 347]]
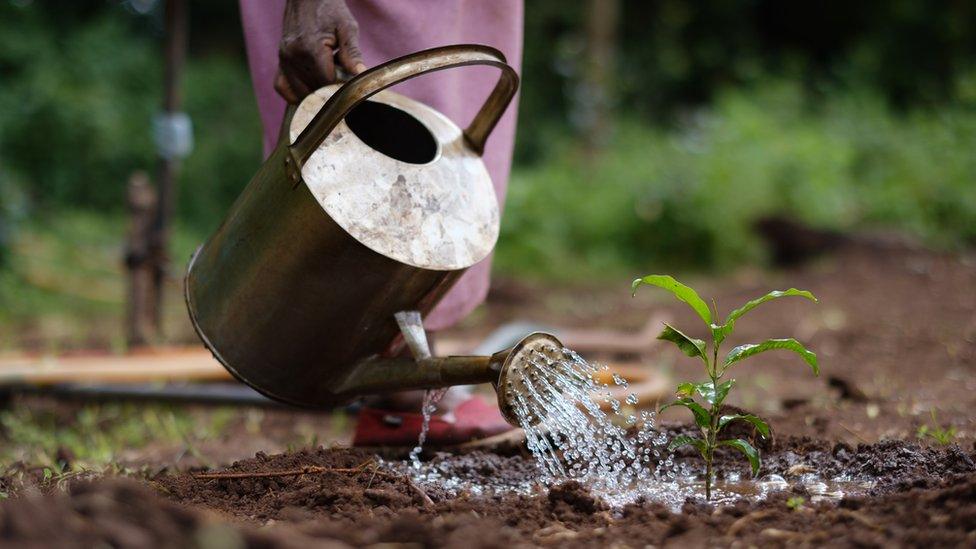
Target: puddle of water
[[458, 476], [675, 492], [461, 475]]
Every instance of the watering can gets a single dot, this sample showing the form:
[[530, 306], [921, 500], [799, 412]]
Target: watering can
[[369, 208]]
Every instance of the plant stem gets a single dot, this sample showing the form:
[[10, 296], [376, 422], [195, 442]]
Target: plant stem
[[710, 447], [712, 434], [708, 474]]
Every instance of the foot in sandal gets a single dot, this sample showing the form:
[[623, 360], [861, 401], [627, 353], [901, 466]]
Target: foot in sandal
[[464, 418]]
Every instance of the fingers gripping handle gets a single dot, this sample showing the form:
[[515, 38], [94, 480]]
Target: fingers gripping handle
[[403, 68]]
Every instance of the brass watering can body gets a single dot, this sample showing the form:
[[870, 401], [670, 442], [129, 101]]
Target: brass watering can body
[[365, 208]]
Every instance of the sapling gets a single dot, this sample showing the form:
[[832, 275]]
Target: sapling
[[709, 416]]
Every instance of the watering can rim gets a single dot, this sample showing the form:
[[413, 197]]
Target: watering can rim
[[446, 214], [376, 79]]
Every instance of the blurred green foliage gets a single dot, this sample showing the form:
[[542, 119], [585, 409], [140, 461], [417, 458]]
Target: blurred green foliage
[[76, 105], [843, 114], [687, 196], [673, 55]]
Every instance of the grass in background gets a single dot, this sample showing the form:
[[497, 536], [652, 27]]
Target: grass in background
[[64, 285], [687, 197], [95, 436]]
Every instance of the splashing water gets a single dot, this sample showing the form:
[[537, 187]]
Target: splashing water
[[554, 394], [570, 435]]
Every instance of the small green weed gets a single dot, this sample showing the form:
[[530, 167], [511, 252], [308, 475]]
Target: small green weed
[[942, 435], [795, 503], [710, 420]]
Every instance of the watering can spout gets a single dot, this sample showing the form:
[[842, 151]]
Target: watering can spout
[[504, 369], [384, 375]]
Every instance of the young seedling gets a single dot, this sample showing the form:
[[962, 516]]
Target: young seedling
[[713, 392], [942, 435]]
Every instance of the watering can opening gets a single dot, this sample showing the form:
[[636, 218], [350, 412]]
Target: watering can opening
[[393, 132]]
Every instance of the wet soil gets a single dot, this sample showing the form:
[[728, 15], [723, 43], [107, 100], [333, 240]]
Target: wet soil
[[896, 334]]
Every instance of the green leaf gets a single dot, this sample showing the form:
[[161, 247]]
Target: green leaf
[[751, 453], [684, 440], [713, 395], [743, 352], [702, 419], [760, 425], [680, 291], [721, 332], [688, 345]]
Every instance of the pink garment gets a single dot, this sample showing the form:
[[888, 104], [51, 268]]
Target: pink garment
[[391, 28]]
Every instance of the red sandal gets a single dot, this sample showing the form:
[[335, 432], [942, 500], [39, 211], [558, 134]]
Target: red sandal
[[472, 419]]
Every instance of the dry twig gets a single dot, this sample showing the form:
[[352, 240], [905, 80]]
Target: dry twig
[[308, 470], [318, 470]]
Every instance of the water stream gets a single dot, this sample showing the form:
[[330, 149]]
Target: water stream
[[428, 407]]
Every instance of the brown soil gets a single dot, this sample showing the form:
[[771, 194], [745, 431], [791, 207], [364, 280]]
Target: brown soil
[[896, 333], [338, 496]]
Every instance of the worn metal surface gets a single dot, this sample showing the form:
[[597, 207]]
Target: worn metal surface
[[299, 307], [441, 215]]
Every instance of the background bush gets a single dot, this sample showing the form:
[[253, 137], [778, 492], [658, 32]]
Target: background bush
[[688, 195]]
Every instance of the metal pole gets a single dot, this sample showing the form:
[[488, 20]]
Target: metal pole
[[598, 77], [142, 205], [171, 148]]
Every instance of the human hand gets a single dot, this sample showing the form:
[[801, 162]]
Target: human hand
[[317, 36]]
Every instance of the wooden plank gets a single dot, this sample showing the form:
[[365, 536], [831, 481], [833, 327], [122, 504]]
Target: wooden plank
[[171, 364]]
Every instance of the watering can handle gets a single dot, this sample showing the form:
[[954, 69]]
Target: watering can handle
[[380, 77]]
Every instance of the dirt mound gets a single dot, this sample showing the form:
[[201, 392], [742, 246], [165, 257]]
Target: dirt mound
[[341, 482], [115, 513], [890, 464]]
